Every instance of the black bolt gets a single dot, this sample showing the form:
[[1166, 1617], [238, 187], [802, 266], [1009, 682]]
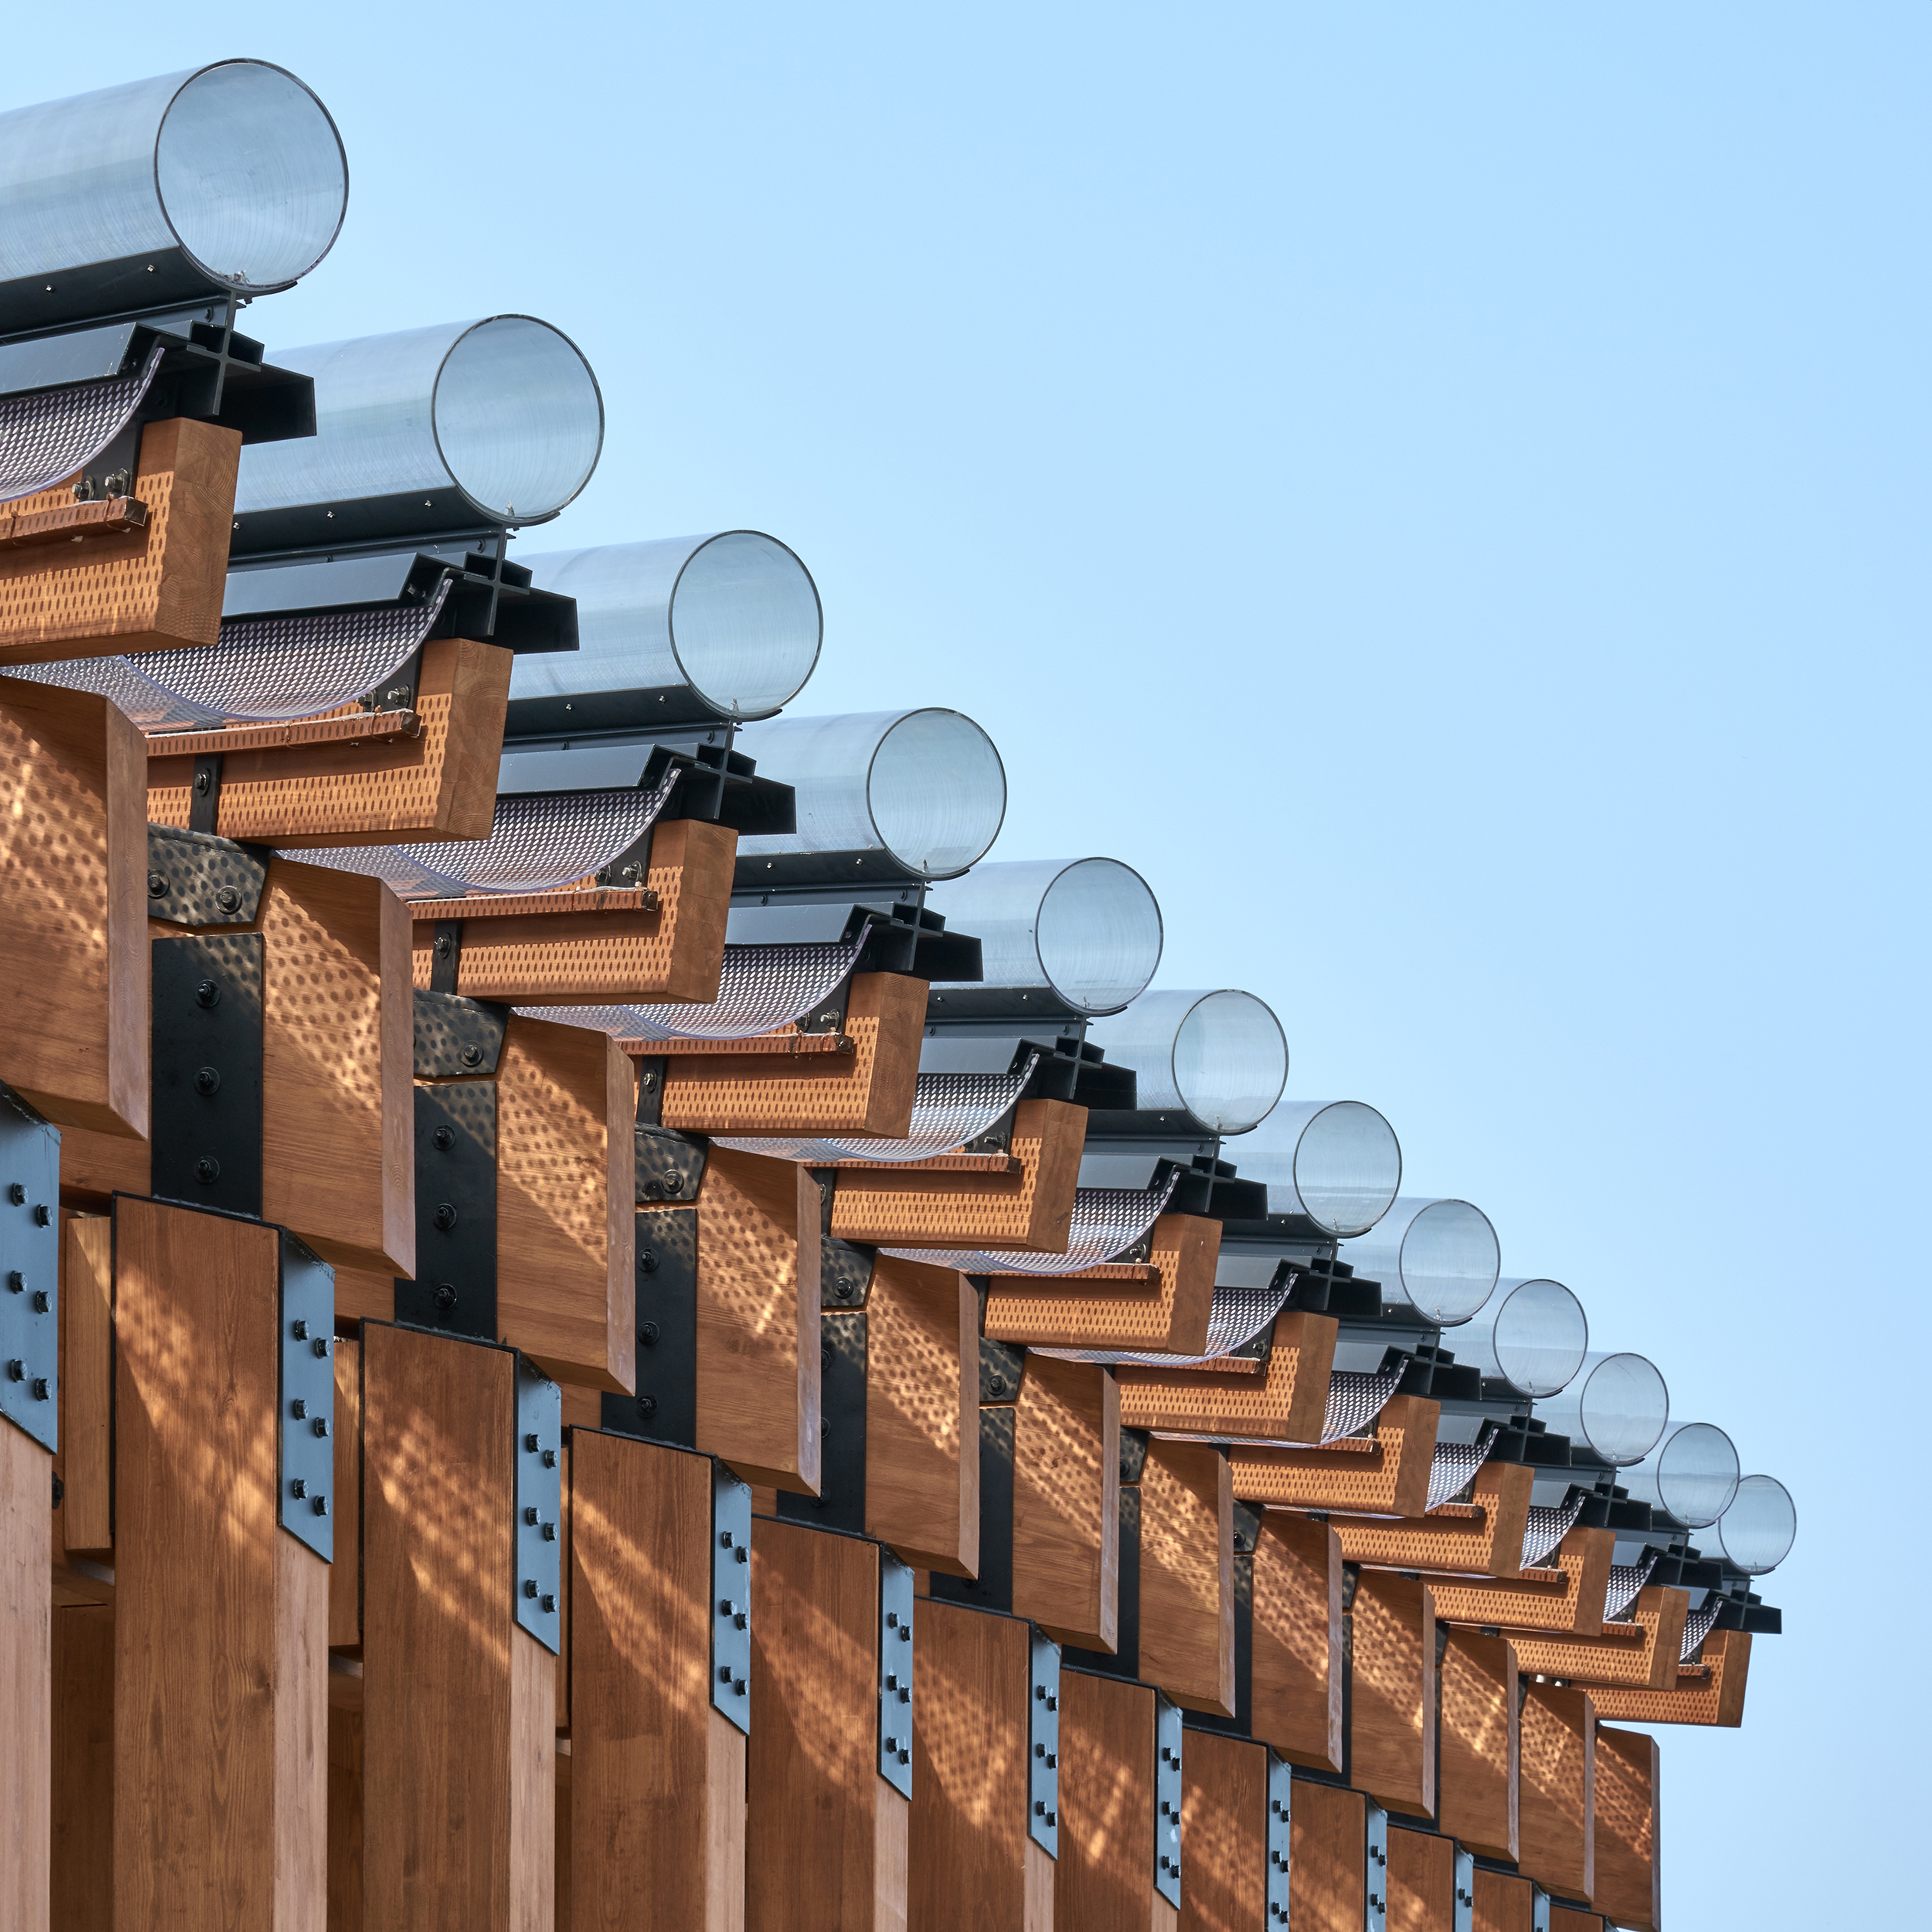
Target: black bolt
[[647, 1404], [227, 898], [16, 1280], [891, 1620], [724, 1673], [647, 1333], [530, 1443], [40, 1302], [201, 784], [321, 1425], [739, 1620], [647, 1080], [299, 1487], [737, 1687], [300, 1330], [1052, 1760], [744, 1555], [445, 1295], [208, 1170], [1040, 1691], [208, 993], [157, 885], [60, 1490], [471, 1056], [647, 1262], [208, 1080], [16, 1371], [321, 1506], [530, 1586], [843, 1292], [298, 1408], [446, 1215], [530, 1514], [550, 1458], [1040, 1751], [43, 1215], [547, 1602], [1053, 1817], [320, 1347], [17, 1194], [998, 1385], [443, 1139], [442, 946], [725, 1539], [550, 1532], [1039, 1807], [39, 1388]]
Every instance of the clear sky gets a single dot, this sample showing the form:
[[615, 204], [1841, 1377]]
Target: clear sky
[[1442, 490]]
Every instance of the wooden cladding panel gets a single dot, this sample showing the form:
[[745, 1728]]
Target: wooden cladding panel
[[566, 1225], [1104, 1881], [1421, 1882], [1711, 1692], [815, 1802], [757, 1319], [923, 1415], [1187, 1575], [86, 1519], [73, 868], [1503, 1904], [970, 1870], [1392, 1689], [95, 1167], [345, 1573], [1284, 1403], [1327, 1854], [1067, 1501], [1644, 1660], [1557, 1805], [1565, 1594], [1488, 1544], [869, 1091], [1627, 1887], [1481, 1740], [81, 1870], [1079, 1311], [26, 1679], [151, 589], [441, 783], [1223, 1835], [1392, 1480], [218, 1613], [1031, 1209], [1297, 1656], [657, 1778], [674, 953]]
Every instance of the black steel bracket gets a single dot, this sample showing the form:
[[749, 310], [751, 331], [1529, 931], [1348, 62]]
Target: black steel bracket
[[194, 879], [895, 1668], [456, 1039], [1043, 1745], [206, 1091], [454, 1290], [992, 1589], [664, 1409], [306, 1398], [731, 1597], [538, 1580], [669, 1165], [29, 1271], [840, 1503]]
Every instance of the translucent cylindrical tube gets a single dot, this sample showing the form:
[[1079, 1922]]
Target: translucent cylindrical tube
[[1691, 1476], [1221, 1056], [492, 422], [925, 788], [1532, 1334], [1089, 929], [1616, 1405], [1441, 1257], [731, 619], [1757, 1530], [1335, 1162], [225, 178]]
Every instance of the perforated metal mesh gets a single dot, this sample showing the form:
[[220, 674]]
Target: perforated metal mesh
[[1455, 1467], [538, 842], [1235, 1317], [1355, 1400], [48, 434], [1626, 1579], [948, 1111], [1696, 1627], [265, 670], [1547, 1527], [1105, 1220]]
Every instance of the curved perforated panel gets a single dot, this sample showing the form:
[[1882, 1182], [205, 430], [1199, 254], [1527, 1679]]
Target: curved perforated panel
[[47, 434], [1455, 1467], [1696, 1627], [1626, 1580], [1105, 1220], [1547, 1527], [1355, 1400]]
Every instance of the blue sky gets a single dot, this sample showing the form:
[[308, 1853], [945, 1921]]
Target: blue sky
[[1442, 492]]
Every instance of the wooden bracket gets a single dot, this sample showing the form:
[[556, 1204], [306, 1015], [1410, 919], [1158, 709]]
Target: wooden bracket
[[1284, 1403], [1105, 1875], [1710, 1691], [1557, 1803], [1391, 1479], [1485, 1541], [1298, 1655], [1067, 1501], [1627, 1886], [1481, 1741], [1187, 1575], [1393, 1713], [1566, 1593], [1165, 1307], [1640, 1654]]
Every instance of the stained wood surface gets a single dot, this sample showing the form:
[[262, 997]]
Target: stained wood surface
[[95, 1167], [81, 1787], [1557, 1803], [1481, 1741], [922, 1415], [656, 1828], [1710, 1692], [221, 1619], [968, 1846], [1628, 1888], [1393, 1480], [757, 1319], [1297, 1652], [1030, 1209], [815, 1803], [1223, 1835], [566, 1225], [1187, 1575], [1327, 1855], [345, 1817], [1503, 1904], [26, 1668], [1392, 1693], [1565, 1594], [1092, 1309], [1284, 1403], [148, 590], [345, 1573], [1067, 1501], [867, 1092], [1104, 1881], [338, 1058], [365, 789], [73, 864], [1640, 1654], [1489, 1544], [1421, 1882], [458, 1702], [1567, 1919], [86, 1524]]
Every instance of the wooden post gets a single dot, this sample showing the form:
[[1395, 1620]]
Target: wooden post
[[1296, 1670], [1327, 1875], [26, 1669], [831, 1833], [1187, 1575], [1421, 1882], [1067, 1501], [1224, 1835], [1392, 1689], [1628, 1887], [973, 1866], [82, 1783], [1557, 1806], [217, 1609], [459, 1700], [1105, 1879], [1481, 1741]]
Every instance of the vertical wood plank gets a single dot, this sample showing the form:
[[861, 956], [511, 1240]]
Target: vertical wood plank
[[1421, 1882], [1392, 1688], [87, 1387], [26, 1675], [1481, 1744], [1104, 1881], [1557, 1805], [1327, 1851], [1503, 1904], [1067, 1501], [1187, 1575], [345, 1818], [533, 1782], [1295, 1676], [345, 1573], [1223, 1835], [1628, 1888], [81, 1793]]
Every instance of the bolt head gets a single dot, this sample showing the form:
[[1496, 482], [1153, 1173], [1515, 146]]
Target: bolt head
[[16, 1280], [647, 1333], [227, 898], [471, 1056], [157, 885], [321, 1506], [445, 1295], [550, 1532], [321, 1425], [41, 1304], [298, 1408], [16, 1194], [39, 1388], [208, 993], [446, 1215], [208, 1080], [443, 1139], [550, 1458], [44, 1215], [647, 1404], [530, 1586], [647, 1261], [208, 1170], [299, 1487], [547, 1602]]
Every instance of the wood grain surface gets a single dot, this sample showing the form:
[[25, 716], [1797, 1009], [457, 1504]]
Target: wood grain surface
[[1284, 1403], [1187, 1575], [1223, 1835], [1503, 1904], [1104, 1880], [82, 1780], [1628, 1888], [1094, 1308], [1421, 1882], [1297, 1654], [86, 1517], [1067, 1501], [1481, 1742], [26, 1674], [1557, 1803], [1327, 1853], [1392, 1693], [1640, 1654], [1564, 1595], [1710, 1692], [1392, 1480], [1489, 1544]]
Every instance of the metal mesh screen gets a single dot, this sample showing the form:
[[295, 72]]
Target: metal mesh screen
[[1105, 1220], [1455, 1467], [48, 434], [1355, 1400], [1547, 1527], [1696, 1628], [1626, 1579]]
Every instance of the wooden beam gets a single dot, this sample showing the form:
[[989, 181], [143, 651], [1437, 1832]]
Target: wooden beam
[[1710, 1691], [1327, 1889], [1640, 1654], [1284, 1403], [1067, 1501], [1628, 1887], [1421, 1882], [459, 1701], [1392, 1693], [217, 1608], [1481, 1742], [1564, 1595], [1503, 1904], [657, 1804], [1187, 1575], [1297, 1653], [26, 1674], [1168, 1310], [74, 866], [1484, 1539], [1224, 1835], [1558, 1807], [831, 1831], [1391, 1479], [1104, 1881], [82, 1786]]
